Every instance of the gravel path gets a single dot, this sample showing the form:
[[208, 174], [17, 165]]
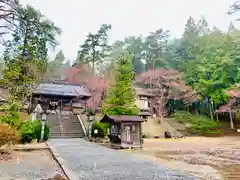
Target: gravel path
[[90, 161]]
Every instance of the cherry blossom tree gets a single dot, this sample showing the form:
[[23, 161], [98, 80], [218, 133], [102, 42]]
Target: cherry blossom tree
[[97, 87], [165, 84]]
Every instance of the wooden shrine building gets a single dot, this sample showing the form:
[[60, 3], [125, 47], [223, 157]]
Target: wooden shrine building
[[67, 97], [124, 130]]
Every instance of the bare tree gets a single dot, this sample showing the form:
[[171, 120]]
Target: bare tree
[[8, 15], [165, 84], [234, 8]]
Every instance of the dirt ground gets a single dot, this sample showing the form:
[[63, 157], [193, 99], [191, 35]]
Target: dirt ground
[[205, 158], [24, 165]]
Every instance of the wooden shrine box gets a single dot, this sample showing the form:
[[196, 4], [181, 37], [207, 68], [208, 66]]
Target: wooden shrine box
[[125, 131]]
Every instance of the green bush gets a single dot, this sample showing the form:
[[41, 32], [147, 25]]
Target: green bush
[[101, 127], [38, 129], [27, 133], [31, 130], [198, 123], [11, 121]]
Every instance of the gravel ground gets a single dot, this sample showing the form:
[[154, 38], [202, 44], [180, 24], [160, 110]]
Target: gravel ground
[[205, 158], [90, 161], [34, 165]]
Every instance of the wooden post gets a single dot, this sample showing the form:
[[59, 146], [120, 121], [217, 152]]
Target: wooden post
[[231, 119], [217, 117], [140, 132]]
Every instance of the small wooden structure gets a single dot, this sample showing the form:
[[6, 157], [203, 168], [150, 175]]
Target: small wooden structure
[[124, 130], [143, 102]]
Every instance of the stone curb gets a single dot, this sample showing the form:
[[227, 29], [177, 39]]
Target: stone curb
[[27, 148], [69, 173]]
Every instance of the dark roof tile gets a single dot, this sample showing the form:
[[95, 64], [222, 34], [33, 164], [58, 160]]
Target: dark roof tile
[[125, 118], [61, 90]]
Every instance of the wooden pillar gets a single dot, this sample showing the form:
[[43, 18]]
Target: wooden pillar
[[231, 119], [140, 131]]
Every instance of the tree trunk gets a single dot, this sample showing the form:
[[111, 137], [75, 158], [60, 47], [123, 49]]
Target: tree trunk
[[93, 61], [196, 112], [231, 119], [211, 110]]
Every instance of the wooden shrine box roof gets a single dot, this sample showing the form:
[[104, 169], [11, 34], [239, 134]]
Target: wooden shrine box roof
[[121, 118], [145, 113]]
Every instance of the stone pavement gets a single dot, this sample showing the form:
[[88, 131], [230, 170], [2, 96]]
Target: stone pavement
[[90, 161]]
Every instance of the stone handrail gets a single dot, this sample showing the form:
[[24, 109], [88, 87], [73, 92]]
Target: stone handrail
[[83, 126]]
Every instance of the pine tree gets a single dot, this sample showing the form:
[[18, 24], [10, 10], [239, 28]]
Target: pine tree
[[121, 96]]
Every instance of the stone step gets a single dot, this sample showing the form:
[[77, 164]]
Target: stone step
[[67, 132], [64, 135], [55, 132], [60, 137], [67, 126]]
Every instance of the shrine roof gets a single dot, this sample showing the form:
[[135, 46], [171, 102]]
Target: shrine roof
[[61, 90], [122, 118], [144, 92], [145, 113]]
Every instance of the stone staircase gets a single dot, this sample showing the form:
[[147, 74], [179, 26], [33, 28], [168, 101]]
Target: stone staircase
[[65, 126]]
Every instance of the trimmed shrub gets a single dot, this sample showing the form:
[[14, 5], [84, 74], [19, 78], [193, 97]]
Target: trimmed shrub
[[27, 133], [8, 134], [38, 130], [101, 127], [198, 124], [31, 130]]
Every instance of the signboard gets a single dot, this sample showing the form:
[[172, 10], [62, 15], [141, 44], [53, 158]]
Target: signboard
[[38, 109]]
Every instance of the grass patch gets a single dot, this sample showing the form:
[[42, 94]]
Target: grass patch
[[198, 124]]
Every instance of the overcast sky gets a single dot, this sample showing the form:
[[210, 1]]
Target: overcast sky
[[128, 17]]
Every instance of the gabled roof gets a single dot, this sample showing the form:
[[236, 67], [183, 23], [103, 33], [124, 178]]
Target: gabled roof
[[233, 93], [143, 92], [227, 107], [61, 90], [145, 113], [121, 118]]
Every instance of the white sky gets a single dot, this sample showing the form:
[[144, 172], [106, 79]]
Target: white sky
[[128, 17]]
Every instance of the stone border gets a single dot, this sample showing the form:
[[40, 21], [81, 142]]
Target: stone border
[[26, 147], [82, 124], [61, 162]]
